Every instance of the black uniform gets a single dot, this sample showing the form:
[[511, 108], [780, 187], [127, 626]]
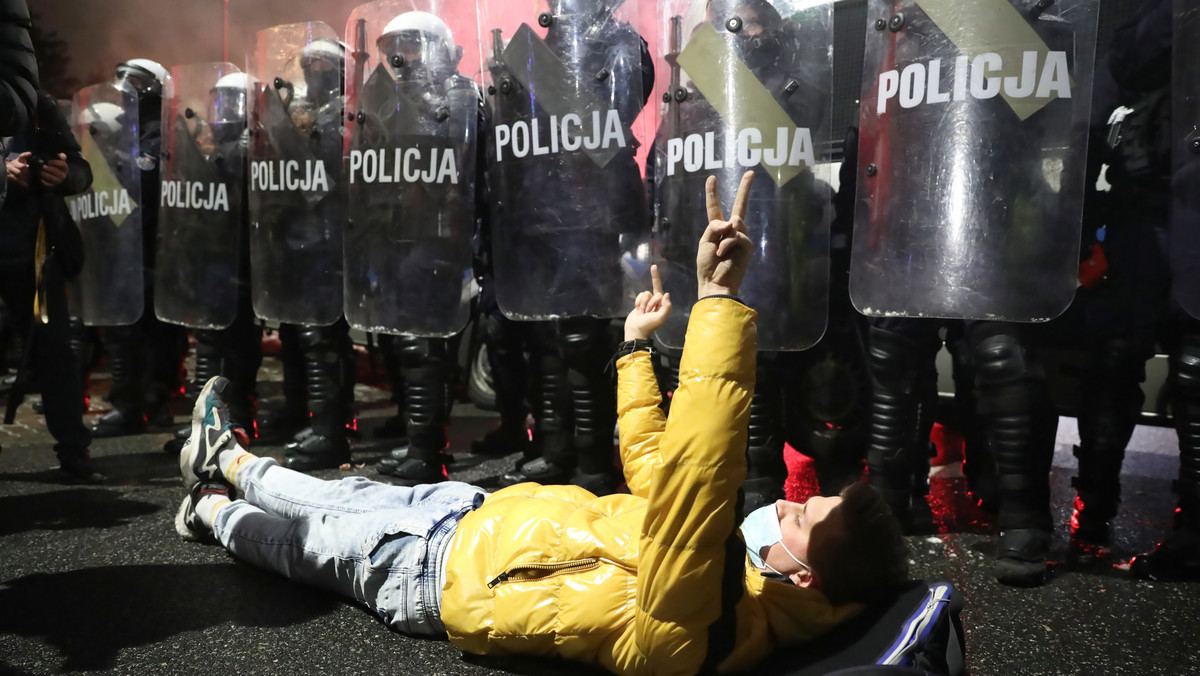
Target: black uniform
[[1138, 242], [18, 69], [144, 358], [28, 213], [570, 392]]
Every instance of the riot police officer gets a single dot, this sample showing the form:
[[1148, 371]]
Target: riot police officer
[[763, 103], [959, 217], [408, 250], [559, 217], [297, 214], [144, 357], [203, 274]]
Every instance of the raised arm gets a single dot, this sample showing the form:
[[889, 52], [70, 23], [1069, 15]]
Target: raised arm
[[639, 418], [691, 511]]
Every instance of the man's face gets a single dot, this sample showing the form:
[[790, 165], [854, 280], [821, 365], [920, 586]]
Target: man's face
[[806, 527]]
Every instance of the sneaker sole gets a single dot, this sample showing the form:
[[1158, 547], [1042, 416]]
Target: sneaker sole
[[189, 458], [181, 526]]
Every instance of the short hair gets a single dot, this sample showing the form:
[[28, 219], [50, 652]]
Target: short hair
[[868, 557]]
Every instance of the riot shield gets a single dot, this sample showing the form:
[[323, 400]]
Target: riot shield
[[200, 208], [296, 196], [109, 213], [973, 135], [1185, 156], [749, 88], [74, 299], [566, 84], [411, 158]]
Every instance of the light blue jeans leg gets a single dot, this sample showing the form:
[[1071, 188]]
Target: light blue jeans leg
[[376, 543]]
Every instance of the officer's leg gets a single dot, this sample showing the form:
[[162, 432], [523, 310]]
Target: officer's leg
[[325, 351], [426, 369], [978, 467], [901, 358], [208, 360], [124, 350], [208, 364], [510, 380], [165, 348], [549, 456], [1123, 315], [587, 349], [395, 428], [280, 423], [1021, 424], [827, 401], [1108, 413], [765, 469], [1178, 557], [241, 347]]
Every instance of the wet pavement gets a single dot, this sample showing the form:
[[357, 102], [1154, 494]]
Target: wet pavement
[[94, 579]]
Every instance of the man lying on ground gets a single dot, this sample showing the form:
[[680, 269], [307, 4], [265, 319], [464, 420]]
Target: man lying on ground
[[657, 582]]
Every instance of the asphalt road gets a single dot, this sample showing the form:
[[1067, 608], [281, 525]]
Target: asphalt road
[[93, 578]]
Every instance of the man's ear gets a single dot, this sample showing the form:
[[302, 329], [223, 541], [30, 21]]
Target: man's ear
[[805, 578]]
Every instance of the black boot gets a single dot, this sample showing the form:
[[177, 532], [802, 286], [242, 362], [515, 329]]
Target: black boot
[[550, 451], [174, 445], [502, 441], [395, 428], [510, 379], [76, 464], [126, 366], [324, 350], [425, 368], [208, 364], [1106, 422], [593, 405], [827, 402], [904, 394], [278, 422], [978, 467], [1178, 557], [1021, 425]]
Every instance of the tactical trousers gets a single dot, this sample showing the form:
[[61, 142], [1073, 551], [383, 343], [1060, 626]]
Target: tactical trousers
[[52, 359]]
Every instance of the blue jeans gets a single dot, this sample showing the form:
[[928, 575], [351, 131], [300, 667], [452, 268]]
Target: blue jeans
[[382, 545]]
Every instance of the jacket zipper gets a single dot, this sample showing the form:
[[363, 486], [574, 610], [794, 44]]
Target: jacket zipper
[[540, 570]]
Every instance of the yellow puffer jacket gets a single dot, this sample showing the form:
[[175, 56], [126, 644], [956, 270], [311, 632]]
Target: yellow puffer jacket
[[633, 582]]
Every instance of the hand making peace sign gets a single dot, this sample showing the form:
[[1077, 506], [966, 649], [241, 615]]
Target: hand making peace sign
[[724, 252]]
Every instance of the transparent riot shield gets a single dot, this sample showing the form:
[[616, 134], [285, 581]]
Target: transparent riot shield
[[973, 134], [748, 87], [200, 209], [566, 82], [411, 158], [296, 195], [109, 214], [1185, 156], [74, 296]]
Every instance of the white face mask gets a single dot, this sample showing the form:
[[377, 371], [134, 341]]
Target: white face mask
[[761, 529]]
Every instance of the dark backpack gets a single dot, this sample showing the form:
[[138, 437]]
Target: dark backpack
[[917, 631]]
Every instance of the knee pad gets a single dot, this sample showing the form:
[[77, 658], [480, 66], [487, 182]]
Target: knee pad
[[1187, 368], [583, 339], [998, 355], [422, 352]]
